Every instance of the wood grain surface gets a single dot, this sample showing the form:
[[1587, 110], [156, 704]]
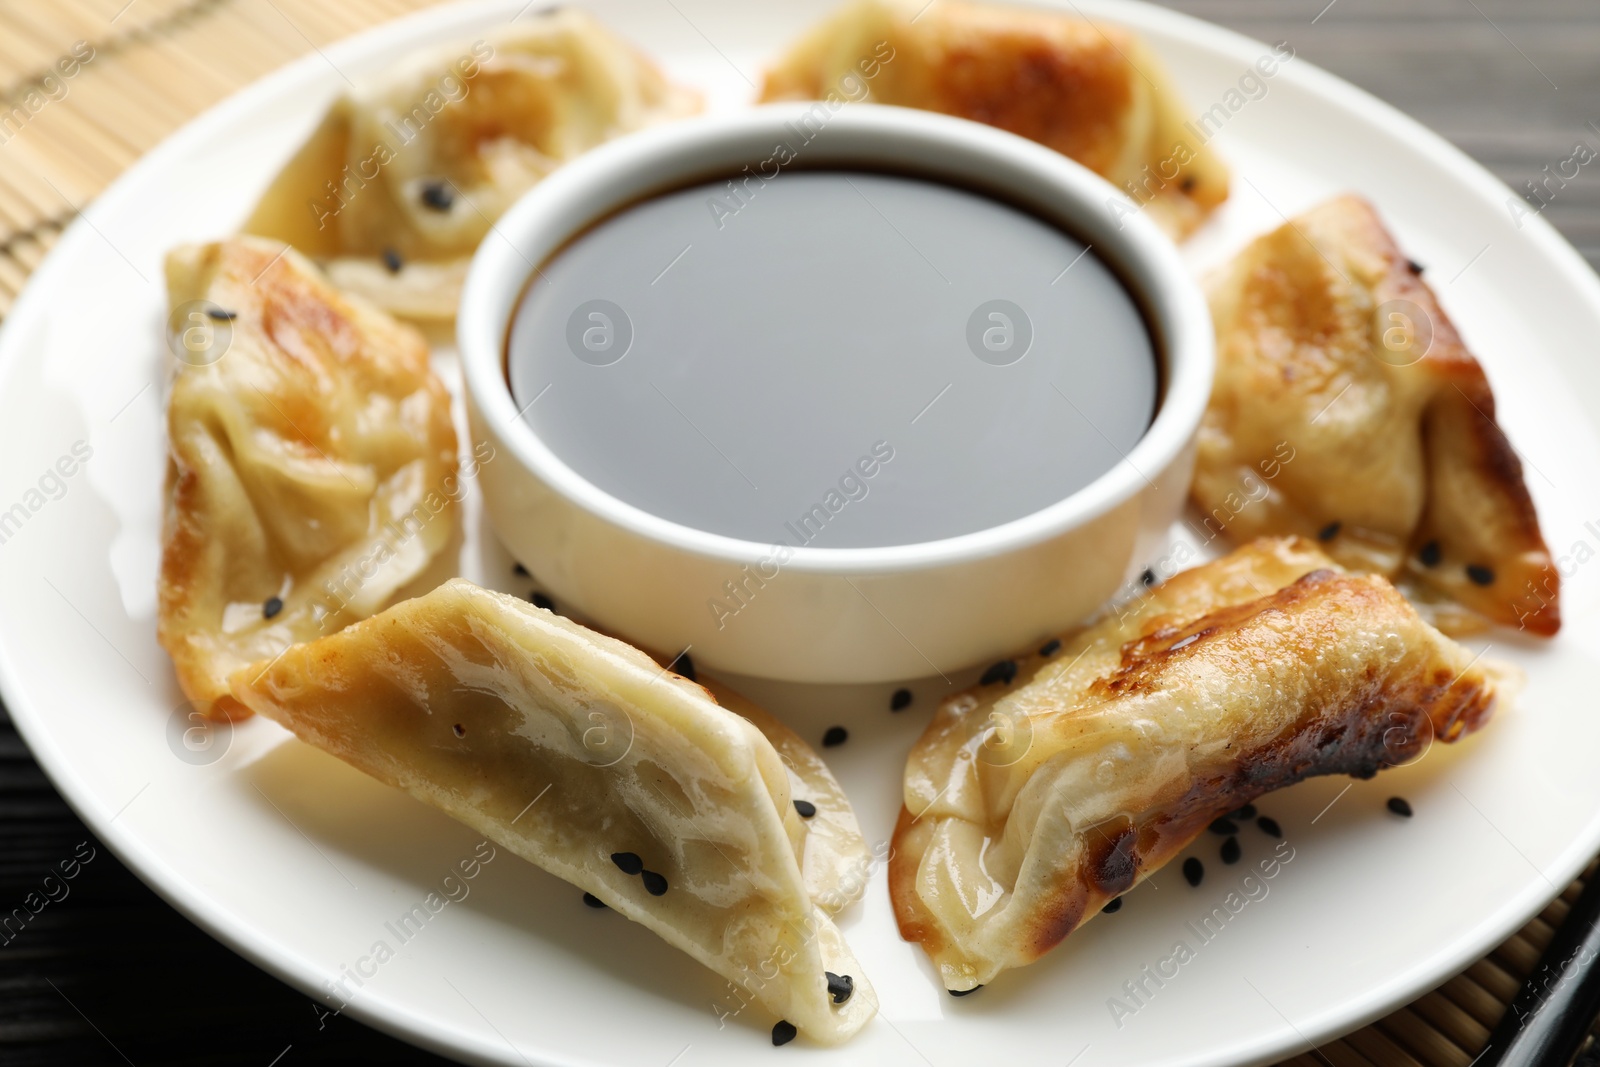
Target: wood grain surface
[[111, 974]]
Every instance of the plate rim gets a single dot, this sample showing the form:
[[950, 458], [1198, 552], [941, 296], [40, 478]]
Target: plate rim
[[216, 919]]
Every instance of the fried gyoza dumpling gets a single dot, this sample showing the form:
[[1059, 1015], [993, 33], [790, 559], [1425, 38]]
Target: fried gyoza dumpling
[[1030, 805], [580, 754], [1332, 350], [407, 174], [313, 462], [1092, 92]]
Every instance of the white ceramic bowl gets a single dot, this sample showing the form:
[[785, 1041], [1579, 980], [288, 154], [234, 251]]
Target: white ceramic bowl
[[833, 614]]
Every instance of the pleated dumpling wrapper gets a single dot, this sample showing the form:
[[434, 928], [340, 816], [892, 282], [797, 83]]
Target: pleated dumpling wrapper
[[580, 754], [1091, 91], [312, 467], [1029, 805], [410, 170], [1347, 407]]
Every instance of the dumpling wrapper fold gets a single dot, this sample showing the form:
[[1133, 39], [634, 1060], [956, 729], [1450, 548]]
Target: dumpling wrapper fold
[[312, 462], [1333, 352], [408, 171], [1029, 806], [567, 747]]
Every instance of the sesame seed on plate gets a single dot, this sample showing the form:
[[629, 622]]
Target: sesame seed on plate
[[1269, 826], [1400, 806], [1223, 827], [1231, 850], [1002, 673], [1193, 871], [835, 735], [901, 700], [1245, 813]]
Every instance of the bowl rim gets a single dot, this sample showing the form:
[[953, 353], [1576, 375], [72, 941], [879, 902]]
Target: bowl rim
[[1173, 303]]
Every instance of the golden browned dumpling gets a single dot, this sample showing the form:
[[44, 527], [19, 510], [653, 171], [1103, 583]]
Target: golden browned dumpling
[[313, 462], [1347, 407], [407, 173], [1030, 805], [580, 754], [1092, 92]]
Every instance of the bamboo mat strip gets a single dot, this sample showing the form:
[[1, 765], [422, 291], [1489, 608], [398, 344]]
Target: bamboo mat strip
[[157, 63]]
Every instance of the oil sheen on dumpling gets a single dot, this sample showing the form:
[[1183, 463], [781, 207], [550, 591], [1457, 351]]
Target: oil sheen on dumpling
[[312, 462], [1331, 349], [1030, 805], [408, 171], [1090, 91], [580, 754]]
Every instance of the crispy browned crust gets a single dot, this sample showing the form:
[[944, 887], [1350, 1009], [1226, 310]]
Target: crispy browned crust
[[1283, 310], [1090, 92], [1382, 711]]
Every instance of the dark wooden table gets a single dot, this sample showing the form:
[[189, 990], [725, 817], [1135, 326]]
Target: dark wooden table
[[113, 975]]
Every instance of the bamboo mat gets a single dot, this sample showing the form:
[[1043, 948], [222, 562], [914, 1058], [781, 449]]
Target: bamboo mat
[[157, 63]]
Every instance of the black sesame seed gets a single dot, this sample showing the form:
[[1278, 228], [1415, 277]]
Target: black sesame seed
[[1148, 577], [541, 601], [1245, 813], [1231, 851], [835, 735], [654, 884], [840, 986], [1187, 185], [805, 808], [901, 700], [221, 314], [392, 260], [1002, 672], [1113, 906], [459, 730], [1224, 827], [1269, 826], [438, 195], [271, 607], [519, 570], [593, 901], [783, 1032], [1193, 871], [1478, 574], [1400, 806], [627, 862], [1415, 267], [1330, 531], [684, 666], [1430, 554], [1050, 648], [964, 992]]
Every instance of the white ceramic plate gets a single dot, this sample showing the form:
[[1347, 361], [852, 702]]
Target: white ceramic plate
[[299, 862]]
